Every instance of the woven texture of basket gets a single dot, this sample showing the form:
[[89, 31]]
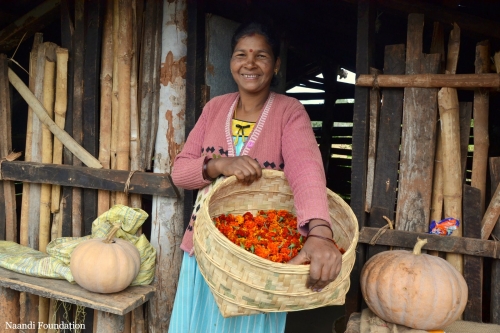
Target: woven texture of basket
[[243, 283]]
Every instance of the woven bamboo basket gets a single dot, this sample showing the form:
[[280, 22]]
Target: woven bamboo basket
[[243, 283]]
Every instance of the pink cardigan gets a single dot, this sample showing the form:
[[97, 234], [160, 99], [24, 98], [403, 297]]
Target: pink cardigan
[[281, 140]]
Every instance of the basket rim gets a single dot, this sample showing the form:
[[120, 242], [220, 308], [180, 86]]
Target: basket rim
[[265, 263]]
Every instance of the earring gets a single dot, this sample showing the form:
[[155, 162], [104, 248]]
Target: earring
[[275, 71]]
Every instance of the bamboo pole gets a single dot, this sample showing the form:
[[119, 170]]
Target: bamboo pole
[[135, 153], [44, 229], [458, 81], [480, 114], [114, 98], [124, 68], [453, 50], [452, 178], [103, 201], [48, 104], [60, 107], [41, 113], [23, 231]]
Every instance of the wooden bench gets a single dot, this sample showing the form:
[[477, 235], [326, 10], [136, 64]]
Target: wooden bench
[[111, 307]]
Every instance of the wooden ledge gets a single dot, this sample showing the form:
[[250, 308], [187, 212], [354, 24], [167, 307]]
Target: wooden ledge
[[117, 303]]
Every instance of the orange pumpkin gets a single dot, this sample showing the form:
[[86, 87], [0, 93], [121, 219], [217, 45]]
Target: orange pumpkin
[[413, 289], [105, 265]]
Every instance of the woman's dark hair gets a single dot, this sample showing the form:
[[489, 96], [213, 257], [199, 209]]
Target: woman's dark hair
[[263, 28], [250, 28]]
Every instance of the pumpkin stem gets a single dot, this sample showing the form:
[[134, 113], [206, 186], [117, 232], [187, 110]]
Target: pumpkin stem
[[112, 232], [417, 250]]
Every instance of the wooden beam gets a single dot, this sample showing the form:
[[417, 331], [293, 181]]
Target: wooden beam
[[406, 239], [495, 265], [117, 303], [459, 81], [159, 184], [27, 25]]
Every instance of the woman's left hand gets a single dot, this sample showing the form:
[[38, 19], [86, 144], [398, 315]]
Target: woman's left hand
[[323, 255]]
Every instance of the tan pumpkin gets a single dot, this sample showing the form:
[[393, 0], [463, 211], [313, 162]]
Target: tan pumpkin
[[105, 265], [413, 289]]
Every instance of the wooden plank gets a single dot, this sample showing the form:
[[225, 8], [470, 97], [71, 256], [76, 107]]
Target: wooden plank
[[9, 307], [118, 303], [27, 25], [195, 80], [418, 136], [406, 239], [78, 65], [106, 179], [495, 265], [366, 20], [387, 159], [473, 266]]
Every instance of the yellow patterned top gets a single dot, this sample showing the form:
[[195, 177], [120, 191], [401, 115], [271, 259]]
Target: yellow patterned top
[[241, 130]]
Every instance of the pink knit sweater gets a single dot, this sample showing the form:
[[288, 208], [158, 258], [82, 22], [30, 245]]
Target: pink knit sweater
[[281, 140]]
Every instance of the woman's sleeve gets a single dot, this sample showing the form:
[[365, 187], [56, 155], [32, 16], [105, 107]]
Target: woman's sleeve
[[304, 168], [187, 171]]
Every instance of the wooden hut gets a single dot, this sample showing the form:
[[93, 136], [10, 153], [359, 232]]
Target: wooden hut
[[386, 148]]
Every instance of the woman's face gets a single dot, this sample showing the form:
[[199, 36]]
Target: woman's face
[[252, 64]]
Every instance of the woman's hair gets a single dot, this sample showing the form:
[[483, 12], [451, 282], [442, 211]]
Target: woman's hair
[[252, 27]]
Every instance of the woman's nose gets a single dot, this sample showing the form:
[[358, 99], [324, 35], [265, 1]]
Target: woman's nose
[[250, 61]]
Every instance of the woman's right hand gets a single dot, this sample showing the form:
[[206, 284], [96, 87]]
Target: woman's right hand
[[246, 169]]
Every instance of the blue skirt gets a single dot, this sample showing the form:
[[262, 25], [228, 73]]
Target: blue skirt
[[195, 310]]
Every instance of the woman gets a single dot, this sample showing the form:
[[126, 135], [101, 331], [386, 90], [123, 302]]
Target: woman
[[239, 134]]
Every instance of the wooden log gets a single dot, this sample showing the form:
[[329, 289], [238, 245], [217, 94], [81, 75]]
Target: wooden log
[[103, 202], [67, 140], [480, 113], [372, 141], [124, 67], [60, 107], [452, 178], [473, 266], [418, 136], [387, 158], [167, 223], [9, 308], [453, 50], [458, 81], [495, 265], [159, 184], [405, 239], [366, 20], [491, 215], [114, 97]]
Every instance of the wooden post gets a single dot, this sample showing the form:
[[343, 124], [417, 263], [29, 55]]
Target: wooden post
[[473, 266], [480, 113], [387, 159], [418, 136], [124, 69], [365, 36], [167, 225], [452, 178], [103, 202], [495, 265], [372, 141]]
